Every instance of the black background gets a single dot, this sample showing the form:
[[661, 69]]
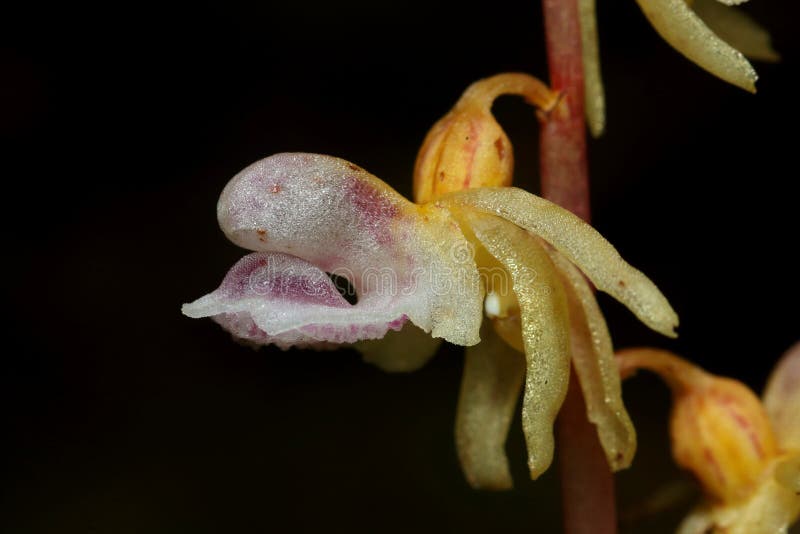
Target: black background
[[121, 122]]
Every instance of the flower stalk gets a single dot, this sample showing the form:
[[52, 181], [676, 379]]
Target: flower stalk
[[587, 485], [564, 175]]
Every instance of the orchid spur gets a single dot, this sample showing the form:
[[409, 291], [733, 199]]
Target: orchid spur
[[472, 248]]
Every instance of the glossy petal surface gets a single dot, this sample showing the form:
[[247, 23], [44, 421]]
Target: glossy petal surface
[[737, 28], [580, 243], [593, 361], [677, 24], [545, 328]]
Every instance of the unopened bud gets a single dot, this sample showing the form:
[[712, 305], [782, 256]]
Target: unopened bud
[[722, 434], [719, 429], [467, 147]]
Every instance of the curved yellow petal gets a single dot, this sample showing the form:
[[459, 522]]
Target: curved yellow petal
[[580, 243], [738, 29], [677, 24], [545, 327], [782, 399], [490, 387], [594, 95], [593, 360], [399, 352]]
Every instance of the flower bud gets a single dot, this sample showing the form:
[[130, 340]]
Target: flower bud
[[722, 434], [719, 429], [467, 147]]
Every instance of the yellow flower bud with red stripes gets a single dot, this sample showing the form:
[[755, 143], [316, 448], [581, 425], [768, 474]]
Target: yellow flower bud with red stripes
[[719, 429], [721, 433], [468, 148], [744, 451]]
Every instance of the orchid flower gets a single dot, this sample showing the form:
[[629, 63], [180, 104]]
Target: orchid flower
[[744, 451], [711, 33], [471, 248]]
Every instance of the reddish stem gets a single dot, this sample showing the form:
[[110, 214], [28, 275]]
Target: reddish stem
[[587, 484], [565, 179]]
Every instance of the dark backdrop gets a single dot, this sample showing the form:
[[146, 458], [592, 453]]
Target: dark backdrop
[[121, 123]]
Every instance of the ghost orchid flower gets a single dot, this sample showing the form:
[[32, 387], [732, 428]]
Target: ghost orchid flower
[[711, 33], [441, 264], [744, 451]]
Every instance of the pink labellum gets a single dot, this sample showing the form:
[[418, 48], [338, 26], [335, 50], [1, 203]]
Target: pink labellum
[[308, 215], [276, 298]]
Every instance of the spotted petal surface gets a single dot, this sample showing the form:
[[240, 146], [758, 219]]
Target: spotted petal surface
[[308, 215]]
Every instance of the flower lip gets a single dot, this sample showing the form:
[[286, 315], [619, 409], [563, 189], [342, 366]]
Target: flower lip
[[282, 299], [282, 277], [315, 214]]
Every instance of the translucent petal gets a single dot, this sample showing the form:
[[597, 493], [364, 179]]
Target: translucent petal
[[490, 388], [737, 28], [280, 299], [401, 259], [400, 352], [580, 243], [677, 24], [782, 399], [545, 328], [593, 360], [594, 95]]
